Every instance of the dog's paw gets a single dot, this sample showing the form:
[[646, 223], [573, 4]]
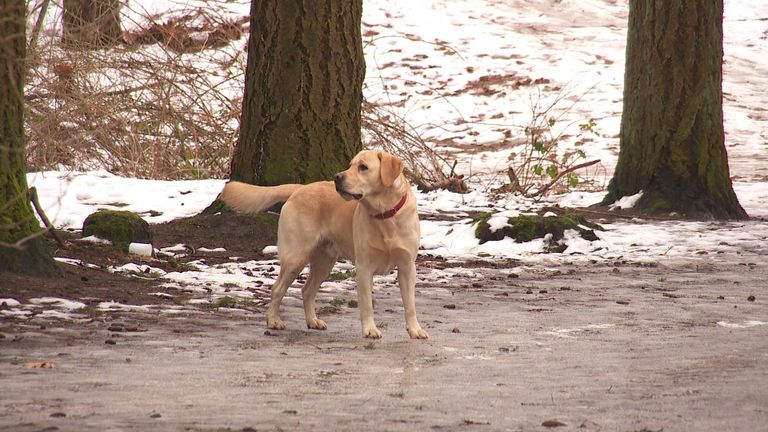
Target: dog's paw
[[417, 333], [371, 333], [317, 324], [275, 324]]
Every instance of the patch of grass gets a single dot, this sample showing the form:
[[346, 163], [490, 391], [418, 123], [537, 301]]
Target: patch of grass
[[226, 301], [370, 345], [336, 302], [182, 266], [398, 394], [146, 275], [344, 275]]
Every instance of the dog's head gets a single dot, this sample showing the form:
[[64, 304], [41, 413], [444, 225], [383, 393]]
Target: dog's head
[[369, 173]]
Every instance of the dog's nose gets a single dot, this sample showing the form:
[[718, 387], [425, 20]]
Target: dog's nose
[[338, 179]]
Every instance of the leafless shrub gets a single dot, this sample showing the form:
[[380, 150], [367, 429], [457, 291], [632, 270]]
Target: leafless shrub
[[165, 111], [423, 166], [165, 103]]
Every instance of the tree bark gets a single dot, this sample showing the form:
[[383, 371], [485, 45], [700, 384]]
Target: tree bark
[[303, 92], [91, 24], [672, 144], [17, 221]]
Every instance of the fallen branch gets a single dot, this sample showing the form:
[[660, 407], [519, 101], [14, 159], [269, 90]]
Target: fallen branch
[[32, 193]]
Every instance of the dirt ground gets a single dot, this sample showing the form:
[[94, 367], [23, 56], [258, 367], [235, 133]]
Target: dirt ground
[[673, 346]]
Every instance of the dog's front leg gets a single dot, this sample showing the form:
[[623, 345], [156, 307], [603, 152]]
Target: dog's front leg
[[406, 278], [365, 303]]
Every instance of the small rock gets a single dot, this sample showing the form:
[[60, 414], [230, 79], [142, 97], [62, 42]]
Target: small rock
[[450, 306], [455, 330], [155, 415], [58, 415], [721, 297], [751, 298], [116, 328], [553, 423], [110, 342], [622, 302]]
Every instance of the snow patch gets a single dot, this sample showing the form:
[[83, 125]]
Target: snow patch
[[627, 202], [744, 324], [57, 302]]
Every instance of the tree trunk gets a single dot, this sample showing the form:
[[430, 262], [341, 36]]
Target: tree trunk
[[303, 92], [17, 221], [672, 144], [91, 23]]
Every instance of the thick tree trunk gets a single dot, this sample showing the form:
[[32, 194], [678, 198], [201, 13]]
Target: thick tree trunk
[[91, 23], [303, 90], [672, 143], [17, 221]]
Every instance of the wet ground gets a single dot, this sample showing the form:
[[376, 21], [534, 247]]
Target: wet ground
[[672, 346]]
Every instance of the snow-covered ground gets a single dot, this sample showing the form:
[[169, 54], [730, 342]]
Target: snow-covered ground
[[421, 56]]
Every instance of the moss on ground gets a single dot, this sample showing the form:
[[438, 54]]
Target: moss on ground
[[525, 228], [118, 226]]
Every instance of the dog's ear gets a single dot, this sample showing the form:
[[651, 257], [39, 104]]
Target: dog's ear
[[391, 168]]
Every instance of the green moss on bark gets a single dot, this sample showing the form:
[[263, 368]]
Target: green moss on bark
[[301, 109], [672, 143], [22, 248]]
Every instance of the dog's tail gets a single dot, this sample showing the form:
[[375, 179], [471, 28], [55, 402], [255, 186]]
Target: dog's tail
[[245, 198]]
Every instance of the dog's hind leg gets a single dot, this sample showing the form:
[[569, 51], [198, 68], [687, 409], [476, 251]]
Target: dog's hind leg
[[289, 270], [320, 266]]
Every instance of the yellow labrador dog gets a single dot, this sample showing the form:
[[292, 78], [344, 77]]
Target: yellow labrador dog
[[367, 214]]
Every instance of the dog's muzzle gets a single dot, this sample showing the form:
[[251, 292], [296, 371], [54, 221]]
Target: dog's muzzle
[[338, 181]]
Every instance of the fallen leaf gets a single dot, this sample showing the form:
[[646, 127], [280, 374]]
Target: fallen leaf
[[40, 365], [553, 423]]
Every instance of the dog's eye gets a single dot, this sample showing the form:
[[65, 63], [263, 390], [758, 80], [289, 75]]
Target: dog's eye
[[362, 167]]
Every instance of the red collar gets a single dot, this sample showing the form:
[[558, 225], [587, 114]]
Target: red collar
[[393, 211]]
